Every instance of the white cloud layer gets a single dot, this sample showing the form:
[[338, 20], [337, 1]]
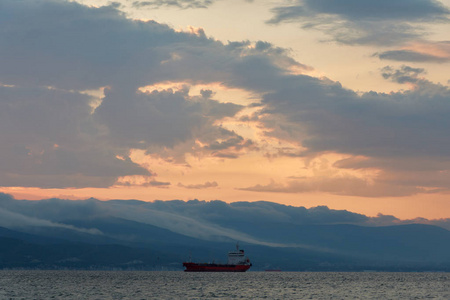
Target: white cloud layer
[[213, 220]]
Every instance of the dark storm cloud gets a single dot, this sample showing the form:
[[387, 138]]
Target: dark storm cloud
[[363, 22], [410, 56]]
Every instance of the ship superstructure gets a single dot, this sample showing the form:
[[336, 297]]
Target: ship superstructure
[[237, 262]]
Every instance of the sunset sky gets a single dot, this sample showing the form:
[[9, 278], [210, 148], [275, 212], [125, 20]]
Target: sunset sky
[[301, 102]]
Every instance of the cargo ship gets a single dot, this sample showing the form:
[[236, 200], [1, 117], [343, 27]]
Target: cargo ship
[[237, 262]]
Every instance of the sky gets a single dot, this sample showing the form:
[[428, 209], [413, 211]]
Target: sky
[[342, 104]]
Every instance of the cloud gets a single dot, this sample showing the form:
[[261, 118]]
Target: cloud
[[382, 22], [183, 4], [405, 74], [159, 118], [208, 184], [18, 221], [230, 146], [394, 130], [142, 181], [158, 183], [47, 212], [54, 134], [267, 55], [49, 139], [90, 48], [327, 117], [343, 185], [102, 48], [220, 218], [11, 217], [411, 56], [198, 218]]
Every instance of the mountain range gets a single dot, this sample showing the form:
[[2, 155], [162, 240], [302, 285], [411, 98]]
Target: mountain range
[[160, 235]]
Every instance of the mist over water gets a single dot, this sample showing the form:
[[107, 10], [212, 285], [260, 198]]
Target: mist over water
[[179, 285]]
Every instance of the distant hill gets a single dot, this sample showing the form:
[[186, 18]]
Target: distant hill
[[16, 253], [94, 234]]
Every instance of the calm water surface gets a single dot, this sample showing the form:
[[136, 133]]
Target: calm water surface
[[250, 285]]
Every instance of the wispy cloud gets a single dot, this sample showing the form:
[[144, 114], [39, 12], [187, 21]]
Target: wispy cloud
[[411, 56], [180, 4], [183, 4], [382, 22], [432, 52], [343, 185], [208, 184]]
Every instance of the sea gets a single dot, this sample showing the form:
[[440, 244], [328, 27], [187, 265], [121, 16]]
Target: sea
[[26, 284]]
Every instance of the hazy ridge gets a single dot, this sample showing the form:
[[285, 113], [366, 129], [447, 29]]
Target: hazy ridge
[[93, 234]]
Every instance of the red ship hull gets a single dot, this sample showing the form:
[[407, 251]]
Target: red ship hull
[[204, 267]]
